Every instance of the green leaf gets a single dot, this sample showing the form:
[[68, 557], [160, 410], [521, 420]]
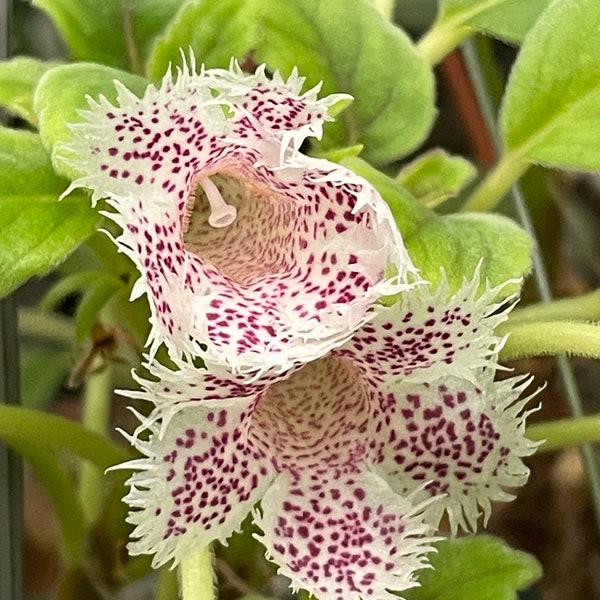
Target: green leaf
[[435, 176], [459, 242], [97, 288], [551, 109], [62, 92], [76, 282], [18, 423], [507, 19], [456, 243], [18, 79], [93, 301], [475, 568], [349, 46], [409, 213], [117, 33], [215, 31], [339, 154], [57, 480], [38, 436], [37, 231], [131, 315]]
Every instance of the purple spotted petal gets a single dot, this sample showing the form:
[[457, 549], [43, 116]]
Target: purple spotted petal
[[277, 105], [464, 441], [208, 460], [356, 455], [427, 335], [172, 388], [343, 538], [198, 480], [247, 260], [312, 417]]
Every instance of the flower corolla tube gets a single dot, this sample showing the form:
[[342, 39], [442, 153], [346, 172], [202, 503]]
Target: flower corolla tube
[[251, 253], [353, 457]]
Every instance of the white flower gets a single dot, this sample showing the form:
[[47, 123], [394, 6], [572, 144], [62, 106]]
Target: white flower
[[354, 456], [251, 253]]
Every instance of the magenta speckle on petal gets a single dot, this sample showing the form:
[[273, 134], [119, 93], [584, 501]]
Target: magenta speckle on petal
[[345, 425], [154, 159]]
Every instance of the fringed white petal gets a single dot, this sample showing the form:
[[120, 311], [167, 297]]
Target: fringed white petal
[[465, 442], [345, 538], [198, 479], [310, 245]]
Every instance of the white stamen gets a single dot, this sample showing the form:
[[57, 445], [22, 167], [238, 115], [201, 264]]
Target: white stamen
[[222, 214]]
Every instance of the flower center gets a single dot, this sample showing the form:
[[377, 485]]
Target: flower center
[[238, 224], [318, 417], [222, 214]]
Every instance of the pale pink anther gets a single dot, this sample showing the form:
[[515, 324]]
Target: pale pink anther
[[222, 214]]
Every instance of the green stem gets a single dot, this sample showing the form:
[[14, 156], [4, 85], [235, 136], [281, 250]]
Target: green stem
[[31, 426], [440, 40], [498, 182], [566, 432], [197, 579], [585, 307], [550, 337], [95, 417], [59, 485]]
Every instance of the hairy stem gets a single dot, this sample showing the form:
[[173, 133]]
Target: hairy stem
[[497, 183], [440, 40], [565, 432], [197, 579], [550, 337], [585, 307]]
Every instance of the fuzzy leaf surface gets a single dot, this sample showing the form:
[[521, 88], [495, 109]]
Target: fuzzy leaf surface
[[436, 175], [117, 33], [460, 241], [351, 48], [18, 79], [506, 19], [456, 243], [63, 91], [215, 31], [475, 568], [551, 109], [37, 231]]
